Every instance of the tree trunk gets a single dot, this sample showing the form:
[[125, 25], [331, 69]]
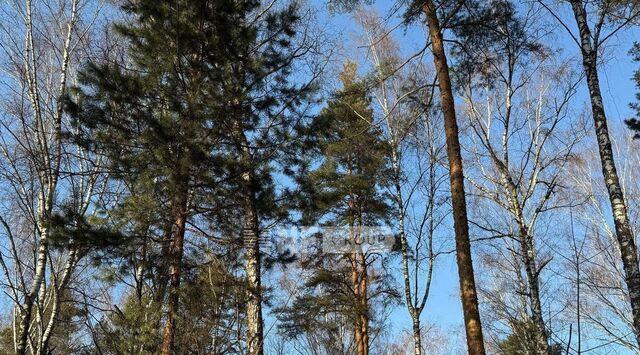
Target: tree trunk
[[58, 293], [468, 292], [253, 270], [618, 205], [527, 253], [364, 304], [175, 268], [251, 240], [38, 279], [357, 320], [359, 283], [417, 338], [540, 335], [414, 312]]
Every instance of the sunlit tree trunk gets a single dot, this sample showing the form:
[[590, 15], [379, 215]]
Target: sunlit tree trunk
[[47, 161], [468, 292]]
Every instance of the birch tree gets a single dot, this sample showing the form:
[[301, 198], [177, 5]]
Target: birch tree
[[597, 22], [520, 152], [42, 44], [604, 295], [410, 129]]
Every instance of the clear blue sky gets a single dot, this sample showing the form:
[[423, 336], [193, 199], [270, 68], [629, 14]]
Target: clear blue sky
[[618, 89]]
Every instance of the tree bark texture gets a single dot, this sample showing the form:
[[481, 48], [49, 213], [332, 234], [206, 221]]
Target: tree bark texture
[[175, 268], [468, 292], [624, 233]]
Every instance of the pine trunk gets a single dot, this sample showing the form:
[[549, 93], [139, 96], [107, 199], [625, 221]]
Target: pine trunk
[[175, 268], [468, 292], [618, 205], [359, 284], [364, 304], [357, 325]]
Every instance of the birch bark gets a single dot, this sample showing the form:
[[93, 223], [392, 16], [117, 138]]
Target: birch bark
[[624, 234]]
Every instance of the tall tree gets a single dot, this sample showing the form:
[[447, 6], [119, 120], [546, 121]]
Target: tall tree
[[498, 72], [344, 190], [271, 82], [468, 292], [203, 118], [151, 117], [593, 20], [515, 126], [416, 151], [41, 46]]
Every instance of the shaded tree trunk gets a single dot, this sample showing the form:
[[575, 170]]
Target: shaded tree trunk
[[624, 234], [468, 292], [175, 268], [528, 256], [359, 281]]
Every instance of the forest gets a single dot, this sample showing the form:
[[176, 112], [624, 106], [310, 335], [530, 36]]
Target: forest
[[325, 177]]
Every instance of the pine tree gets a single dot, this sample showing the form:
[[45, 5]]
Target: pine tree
[[468, 292], [634, 123], [153, 120], [200, 121], [345, 191]]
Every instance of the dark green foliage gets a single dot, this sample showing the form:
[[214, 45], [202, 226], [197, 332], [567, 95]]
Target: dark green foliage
[[207, 96], [634, 123], [491, 35], [212, 303], [131, 328], [154, 118], [87, 234], [201, 73], [520, 341], [353, 159], [341, 186]]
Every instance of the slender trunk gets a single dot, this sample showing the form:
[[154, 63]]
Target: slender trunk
[[253, 270], [58, 292], [618, 205], [414, 312], [364, 304], [540, 335], [468, 292], [251, 240], [49, 178], [176, 251], [527, 253], [417, 338], [357, 328], [38, 279]]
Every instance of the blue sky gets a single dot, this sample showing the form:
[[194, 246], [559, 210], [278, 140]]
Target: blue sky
[[618, 90], [443, 306]]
